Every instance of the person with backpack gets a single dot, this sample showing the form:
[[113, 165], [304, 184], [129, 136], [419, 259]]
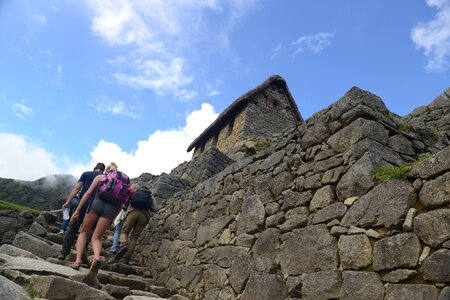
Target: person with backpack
[[137, 217], [118, 223], [111, 192], [81, 187]]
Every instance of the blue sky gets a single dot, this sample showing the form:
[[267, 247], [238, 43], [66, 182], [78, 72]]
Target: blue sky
[[136, 81]]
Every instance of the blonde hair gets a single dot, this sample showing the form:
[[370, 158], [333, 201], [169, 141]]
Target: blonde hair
[[112, 167]]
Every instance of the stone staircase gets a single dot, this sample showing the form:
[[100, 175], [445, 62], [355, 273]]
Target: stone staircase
[[29, 269]]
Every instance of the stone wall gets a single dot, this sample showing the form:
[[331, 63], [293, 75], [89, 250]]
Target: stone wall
[[204, 166], [230, 134], [268, 114], [307, 219]]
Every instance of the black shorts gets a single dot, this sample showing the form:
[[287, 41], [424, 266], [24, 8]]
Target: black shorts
[[103, 208]]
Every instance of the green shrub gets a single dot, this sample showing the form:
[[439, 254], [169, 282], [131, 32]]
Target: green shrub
[[388, 172], [17, 207]]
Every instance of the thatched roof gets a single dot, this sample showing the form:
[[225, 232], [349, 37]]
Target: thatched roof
[[240, 103]]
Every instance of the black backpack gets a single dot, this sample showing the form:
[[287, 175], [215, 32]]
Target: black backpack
[[142, 199]]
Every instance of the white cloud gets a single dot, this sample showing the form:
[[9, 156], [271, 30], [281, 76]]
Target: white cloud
[[45, 51], [39, 19], [59, 70], [22, 159], [54, 8], [158, 37], [276, 50], [21, 110], [313, 43], [163, 76], [160, 152], [434, 37], [105, 105]]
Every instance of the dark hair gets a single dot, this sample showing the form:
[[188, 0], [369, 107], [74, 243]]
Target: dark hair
[[100, 166]]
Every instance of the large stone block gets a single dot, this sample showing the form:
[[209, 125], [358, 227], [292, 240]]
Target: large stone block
[[11, 290], [398, 251], [265, 286], [55, 287], [356, 131], [240, 270], [436, 267], [361, 285], [411, 292], [435, 193], [386, 205], [34, 245], [433, 227], [433, 166], [210, 229], [266, 249], [359, 180], [355, 251], [321, 285], [307, 250], [252, 215]]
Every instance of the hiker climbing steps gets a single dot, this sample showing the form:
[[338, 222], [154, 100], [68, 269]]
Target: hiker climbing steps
[[29, 268]]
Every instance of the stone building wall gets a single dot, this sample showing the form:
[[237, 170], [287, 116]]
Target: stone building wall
[[268, 114], [307, 219], [227, 137]]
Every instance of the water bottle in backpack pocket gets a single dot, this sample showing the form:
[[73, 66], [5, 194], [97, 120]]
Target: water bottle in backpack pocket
[[116, 188]]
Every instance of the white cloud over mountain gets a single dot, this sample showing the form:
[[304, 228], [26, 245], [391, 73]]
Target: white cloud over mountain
[[163, 150]]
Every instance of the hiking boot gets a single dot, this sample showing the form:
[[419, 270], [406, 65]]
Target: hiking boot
[[125, 260], [123, 250], [61, 256]]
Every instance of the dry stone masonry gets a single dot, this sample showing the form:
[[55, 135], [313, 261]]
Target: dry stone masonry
[[307, 219], [304, 217]]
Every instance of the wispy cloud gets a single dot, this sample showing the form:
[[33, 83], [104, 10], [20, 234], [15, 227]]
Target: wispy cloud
[[276, 50], [45, 51], [54, 7], [21, 110], [105, 105], [434, 37], [39, 19], [158, 36], [312, 43]]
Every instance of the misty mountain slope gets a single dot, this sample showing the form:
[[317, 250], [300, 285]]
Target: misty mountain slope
[[45, 193]]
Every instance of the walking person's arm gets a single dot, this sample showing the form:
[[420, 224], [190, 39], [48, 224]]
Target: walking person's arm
[[72, 194], [86, 196]]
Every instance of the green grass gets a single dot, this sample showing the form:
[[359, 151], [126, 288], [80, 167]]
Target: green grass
[[33, 294], [387, 172], [17, 207]]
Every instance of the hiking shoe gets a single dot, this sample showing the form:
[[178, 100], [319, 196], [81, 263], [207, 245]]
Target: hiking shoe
[[121, 252], [61, 257], [93, 271]]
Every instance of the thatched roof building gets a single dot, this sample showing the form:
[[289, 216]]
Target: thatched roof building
[[266, 110]]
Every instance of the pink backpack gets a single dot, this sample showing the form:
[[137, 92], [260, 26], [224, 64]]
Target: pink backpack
[[116, 188]]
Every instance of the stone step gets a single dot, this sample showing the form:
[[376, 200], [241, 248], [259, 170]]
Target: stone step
[[32, 264]]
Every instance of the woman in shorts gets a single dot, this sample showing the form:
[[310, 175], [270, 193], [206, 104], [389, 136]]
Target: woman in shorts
[[100, 214]]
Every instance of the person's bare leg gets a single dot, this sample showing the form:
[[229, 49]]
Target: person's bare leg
[[102, 225], [89, 220]]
